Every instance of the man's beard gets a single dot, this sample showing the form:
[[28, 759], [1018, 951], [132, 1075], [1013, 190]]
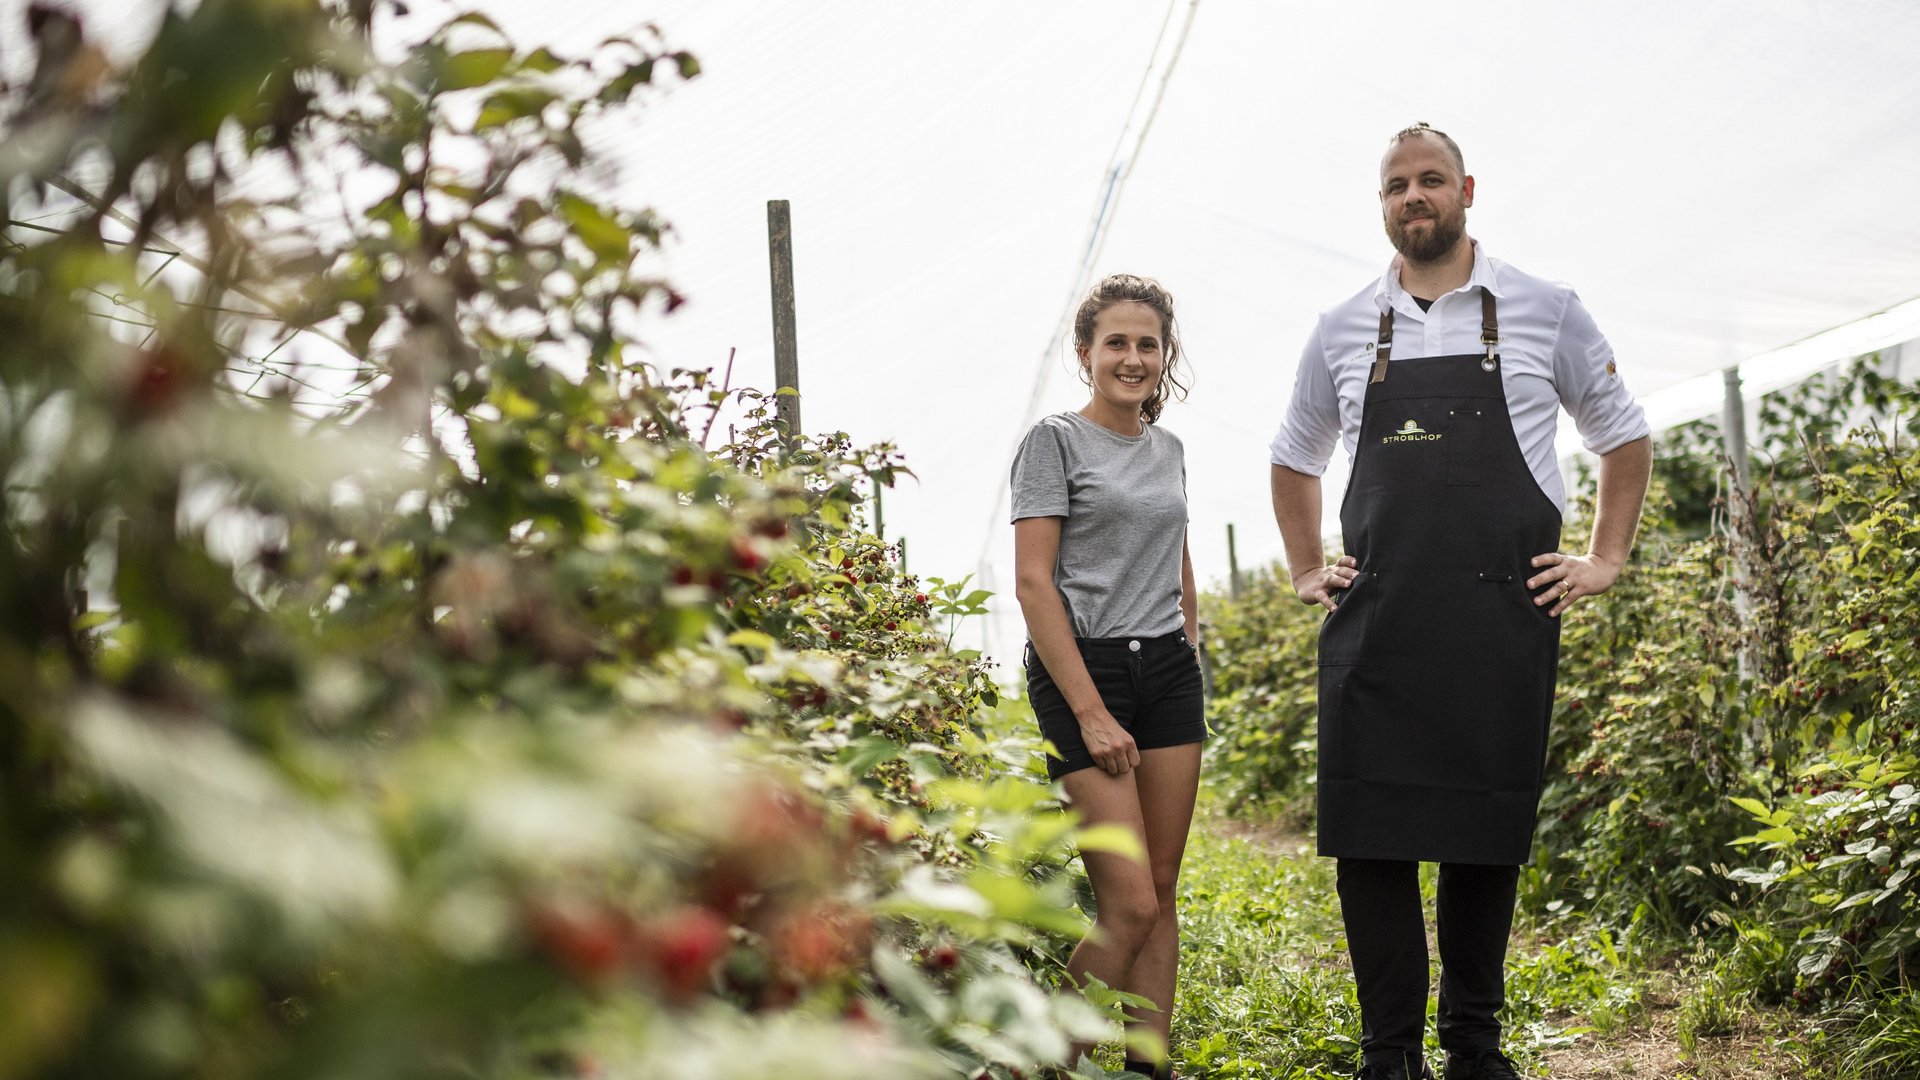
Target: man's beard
[[1444, 232]]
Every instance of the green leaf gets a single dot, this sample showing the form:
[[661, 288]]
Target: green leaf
[[753, 639], [621, 86], [1111, 838], [865, 754], [475, 67], [908, 986], [1814, 963], [595, 227], [515, 103], [543, 61]]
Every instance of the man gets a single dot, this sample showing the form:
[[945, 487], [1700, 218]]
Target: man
[[1444, 379]]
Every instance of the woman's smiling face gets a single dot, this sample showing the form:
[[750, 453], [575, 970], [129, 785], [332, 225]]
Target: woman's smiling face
[[1126, 357]]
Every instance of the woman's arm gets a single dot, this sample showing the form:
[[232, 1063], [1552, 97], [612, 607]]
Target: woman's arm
[[1036, 547], [1189, 596]]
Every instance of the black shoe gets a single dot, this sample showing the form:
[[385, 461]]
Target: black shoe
[[1481, 1065], [1410, 1067]]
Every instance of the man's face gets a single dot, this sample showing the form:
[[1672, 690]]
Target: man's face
[[1423, 198]]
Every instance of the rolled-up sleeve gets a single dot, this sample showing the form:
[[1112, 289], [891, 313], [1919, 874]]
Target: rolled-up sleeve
[[1311, 427], [1590, 386]]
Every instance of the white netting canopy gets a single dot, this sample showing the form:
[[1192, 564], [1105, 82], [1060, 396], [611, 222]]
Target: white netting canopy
[[1720, 180]]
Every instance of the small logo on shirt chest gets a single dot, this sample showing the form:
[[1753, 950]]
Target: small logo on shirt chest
[[1411, 431]]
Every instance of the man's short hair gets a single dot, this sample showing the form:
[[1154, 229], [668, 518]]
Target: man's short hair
[[1424, 128]]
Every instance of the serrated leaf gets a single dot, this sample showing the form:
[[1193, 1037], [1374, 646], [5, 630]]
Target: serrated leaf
[[863, 755], [1813, 964]]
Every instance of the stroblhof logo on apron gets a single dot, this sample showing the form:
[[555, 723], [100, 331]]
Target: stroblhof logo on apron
[[1411, 431]]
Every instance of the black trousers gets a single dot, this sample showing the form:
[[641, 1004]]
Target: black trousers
[[1387, 939]]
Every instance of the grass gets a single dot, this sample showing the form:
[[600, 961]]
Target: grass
[[1266, 991]]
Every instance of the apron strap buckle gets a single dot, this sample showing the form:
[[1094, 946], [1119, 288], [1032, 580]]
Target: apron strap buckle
[[1489, 329], [1384, 351]]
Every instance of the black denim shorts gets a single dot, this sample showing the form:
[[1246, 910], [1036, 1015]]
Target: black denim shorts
[[1151, 685]]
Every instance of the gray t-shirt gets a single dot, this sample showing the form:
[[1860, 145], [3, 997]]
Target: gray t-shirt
[[1124, 499]]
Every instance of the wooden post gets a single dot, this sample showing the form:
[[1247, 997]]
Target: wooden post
[[1233, 566], [879, 514], [786, 360]]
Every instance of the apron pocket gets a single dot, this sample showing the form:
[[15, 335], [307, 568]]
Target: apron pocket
[[1345, 631], [1463, 447]]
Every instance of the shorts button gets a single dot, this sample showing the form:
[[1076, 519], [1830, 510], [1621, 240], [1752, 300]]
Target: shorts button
[[1134, 645]]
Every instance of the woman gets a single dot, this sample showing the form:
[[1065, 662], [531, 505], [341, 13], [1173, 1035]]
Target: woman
[[1106, 586]]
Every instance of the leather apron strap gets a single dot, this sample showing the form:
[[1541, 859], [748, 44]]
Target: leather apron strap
[[1489, 337]]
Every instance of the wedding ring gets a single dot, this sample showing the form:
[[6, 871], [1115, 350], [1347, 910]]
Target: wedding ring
[[1565, 588]]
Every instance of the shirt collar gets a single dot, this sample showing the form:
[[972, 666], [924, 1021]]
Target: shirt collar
[[1482, 277]]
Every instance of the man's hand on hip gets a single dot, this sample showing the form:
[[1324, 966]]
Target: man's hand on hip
[[1569, 577], [1317, 584]]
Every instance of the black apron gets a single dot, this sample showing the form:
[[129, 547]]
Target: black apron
[[1437, 669]]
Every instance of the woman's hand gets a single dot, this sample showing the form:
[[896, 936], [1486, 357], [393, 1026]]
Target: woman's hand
[[1111, 746], [1571, 577], [1316, 584]]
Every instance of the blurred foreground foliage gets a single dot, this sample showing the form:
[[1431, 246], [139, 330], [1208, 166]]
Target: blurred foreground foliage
[[1734, 779], [443, 705]]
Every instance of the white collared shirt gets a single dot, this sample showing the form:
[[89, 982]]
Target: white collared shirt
[[1551, 354]]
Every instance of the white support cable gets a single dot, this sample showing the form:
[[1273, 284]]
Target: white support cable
[[1126, 152]]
